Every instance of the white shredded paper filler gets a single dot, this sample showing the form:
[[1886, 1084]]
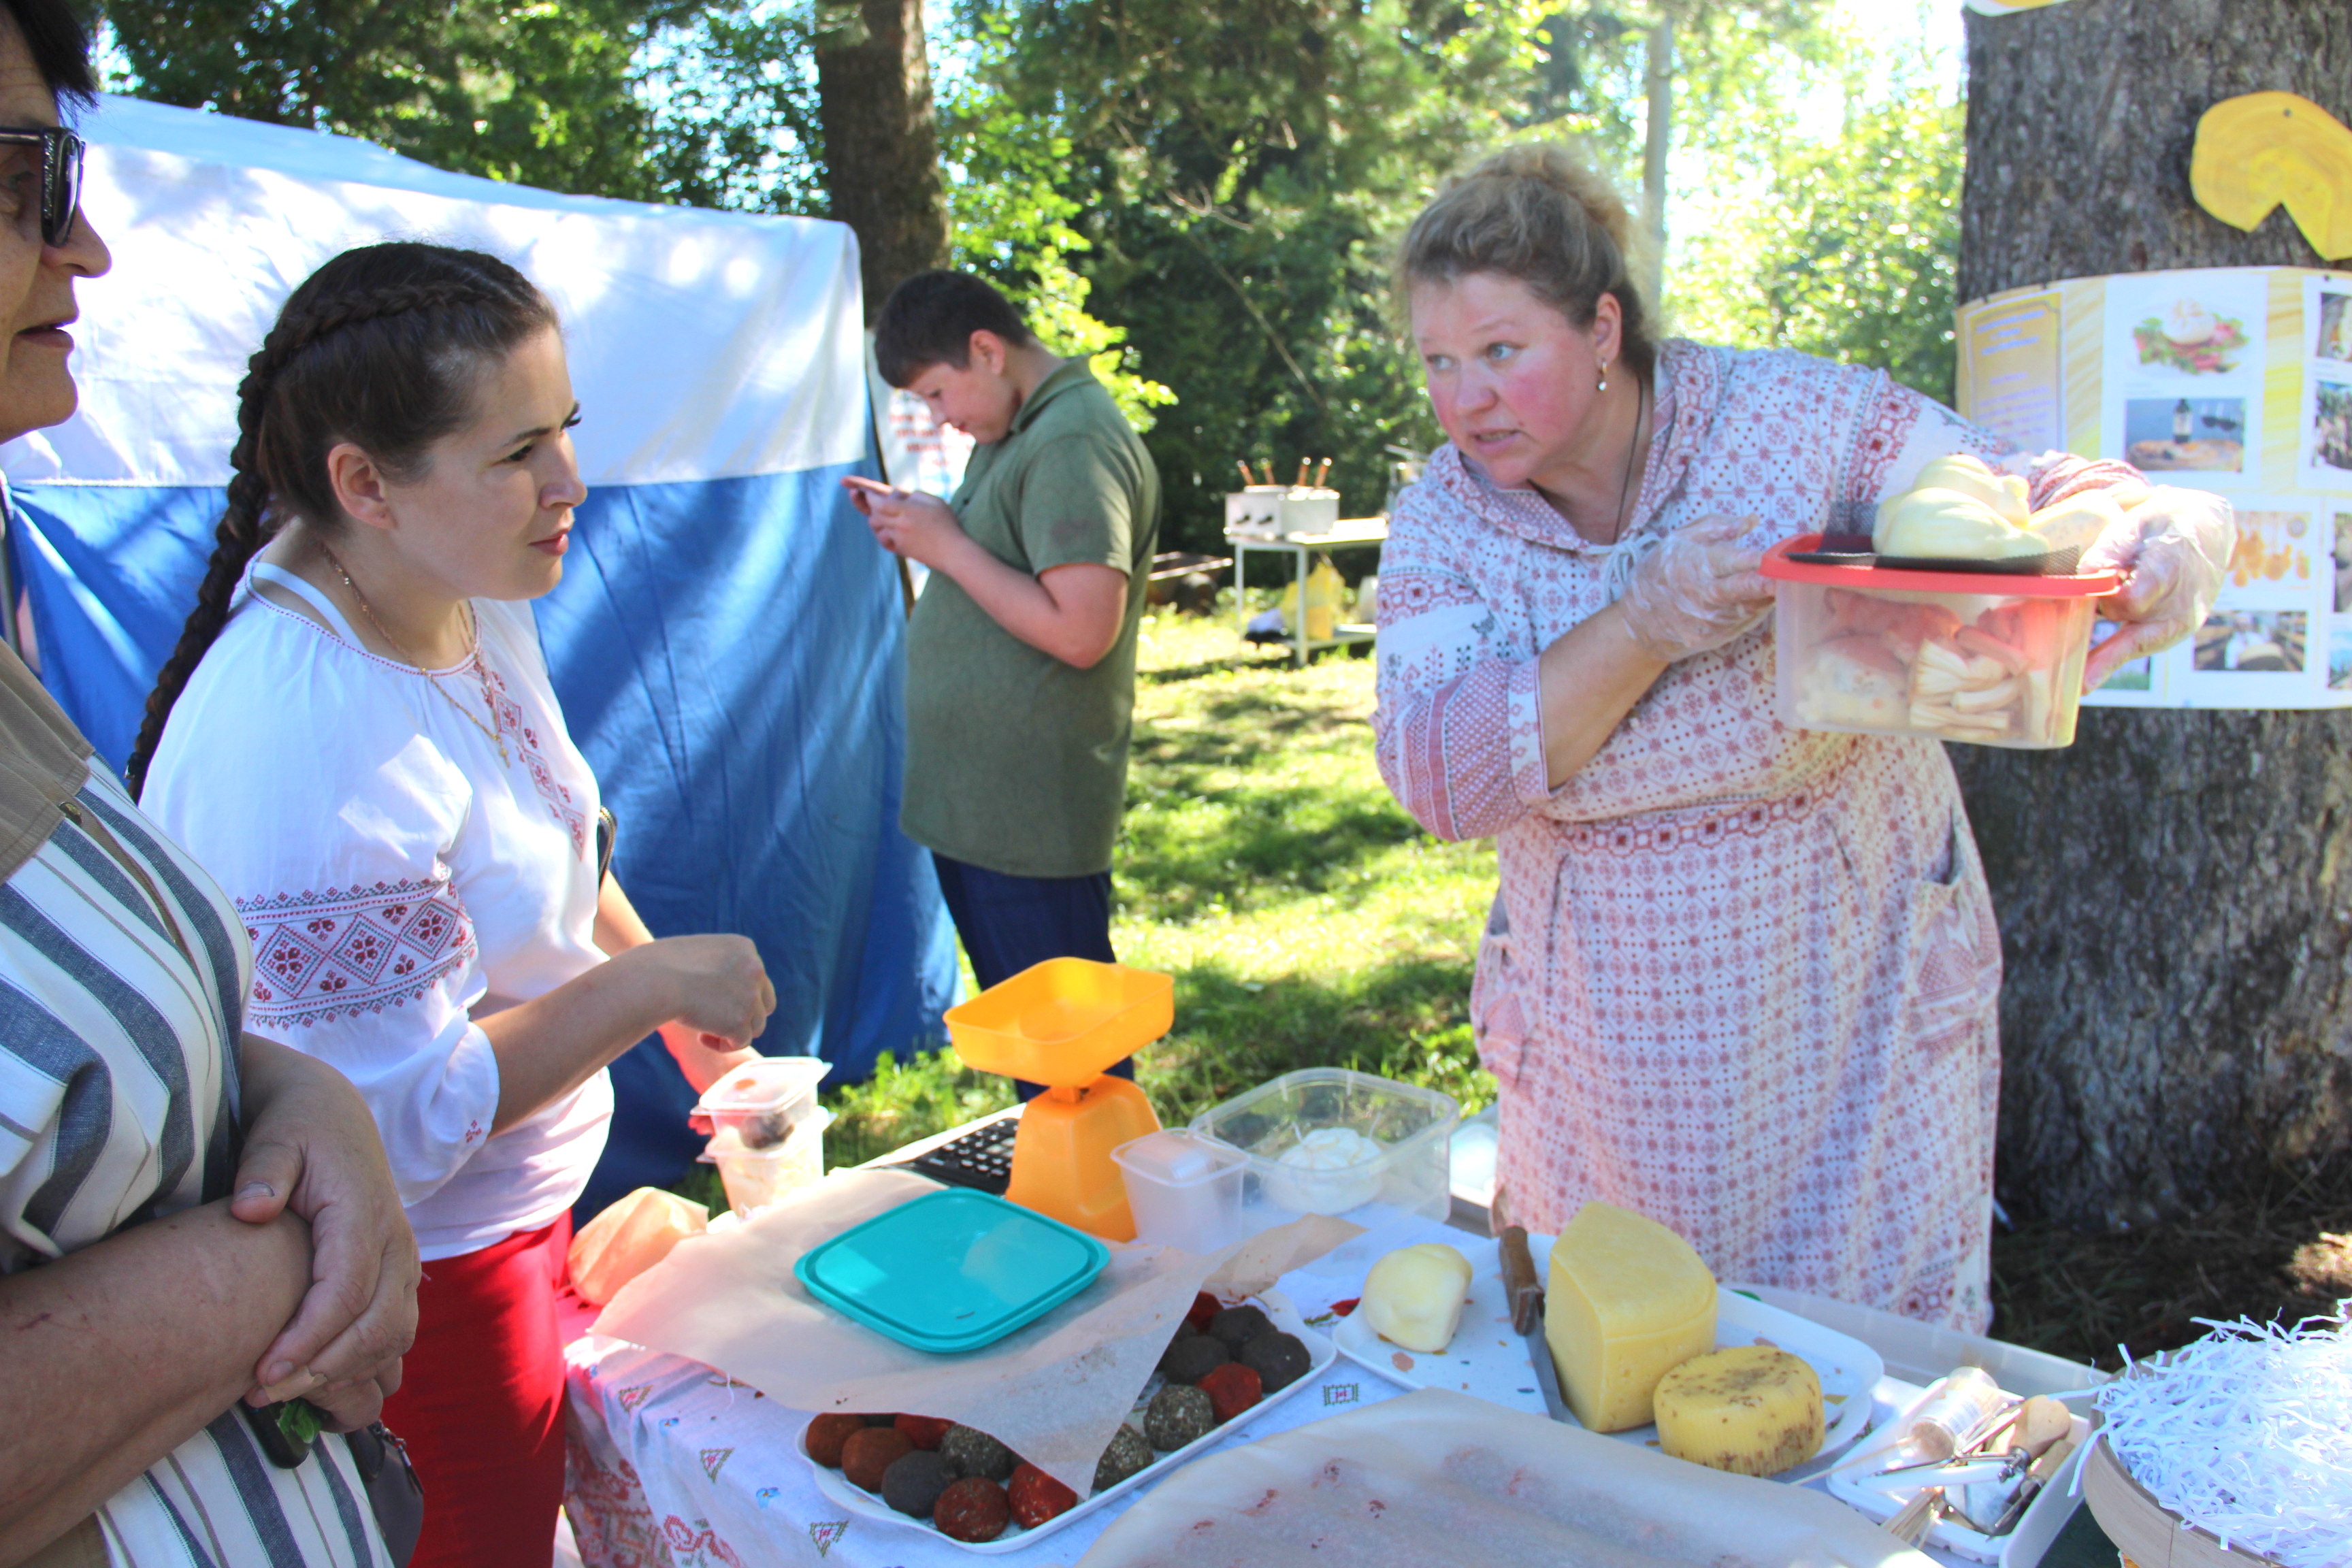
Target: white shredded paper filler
[[2247, 1433]]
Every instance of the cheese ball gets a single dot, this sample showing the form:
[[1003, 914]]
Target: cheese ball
[[923, 1431], [1128, 1454], [828, 1433], [1204, 1308], [973, 1509], [1239, 1325], [1190, 1361], [1232, 1389], [975, 1452], [1035, 1497], [1178, 1414], [1278, 1359], [869, 1453], [914, 1481]]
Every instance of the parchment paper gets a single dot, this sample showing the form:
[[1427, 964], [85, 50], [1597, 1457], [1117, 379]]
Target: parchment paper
[[1053, 1393], [1439, 1477]]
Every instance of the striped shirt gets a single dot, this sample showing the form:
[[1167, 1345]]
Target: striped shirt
[[118, 1025]]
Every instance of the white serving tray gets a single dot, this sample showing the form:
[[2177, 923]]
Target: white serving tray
[[1488, 1358], [2026, 1541], [835, 1486]]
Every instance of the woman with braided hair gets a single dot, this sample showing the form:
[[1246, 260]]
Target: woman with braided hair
[[357, 735]]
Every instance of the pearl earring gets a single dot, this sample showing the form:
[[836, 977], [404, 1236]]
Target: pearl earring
[[1605, 375]]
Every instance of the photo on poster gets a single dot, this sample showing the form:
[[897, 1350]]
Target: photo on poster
[[2186, 330], [2344, 562], [2331, 317], [2252, 642], [2139, 675], [2186, 435], [2274, 550], [2327, 432], [2339, 658]]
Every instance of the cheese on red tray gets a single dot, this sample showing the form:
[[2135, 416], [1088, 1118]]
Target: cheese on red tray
[[1627, 1301]]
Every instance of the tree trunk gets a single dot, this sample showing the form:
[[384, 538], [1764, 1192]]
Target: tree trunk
[[2175, 890], [881, 138], [1657, 141]]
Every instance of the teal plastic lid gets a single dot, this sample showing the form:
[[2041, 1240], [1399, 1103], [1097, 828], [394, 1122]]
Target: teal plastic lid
[[952, 1270]]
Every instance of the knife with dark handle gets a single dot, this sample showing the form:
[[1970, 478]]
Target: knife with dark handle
[[1527, 1297]]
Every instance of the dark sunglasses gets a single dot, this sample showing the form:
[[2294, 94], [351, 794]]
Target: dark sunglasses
[[61, 153]]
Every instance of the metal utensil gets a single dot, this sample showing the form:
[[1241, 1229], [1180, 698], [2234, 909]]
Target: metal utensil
[[1520, 1283]]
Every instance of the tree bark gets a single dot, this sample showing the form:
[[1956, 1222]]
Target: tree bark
[[881, 139], [1657, 142], [2175, 890]]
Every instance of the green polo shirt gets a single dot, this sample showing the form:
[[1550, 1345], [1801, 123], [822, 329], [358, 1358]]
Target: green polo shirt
[[1015, 761]]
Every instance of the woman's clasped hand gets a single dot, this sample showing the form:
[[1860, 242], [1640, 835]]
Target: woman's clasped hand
[[1696, 589]]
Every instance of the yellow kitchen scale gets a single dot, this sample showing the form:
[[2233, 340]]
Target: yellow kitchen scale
[[1061, 1024]]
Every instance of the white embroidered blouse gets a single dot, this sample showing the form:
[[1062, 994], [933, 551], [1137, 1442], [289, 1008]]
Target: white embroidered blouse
[[399, 883]]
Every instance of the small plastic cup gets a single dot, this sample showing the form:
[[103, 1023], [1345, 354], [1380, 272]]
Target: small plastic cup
[[1184, 1189], [754, 1178], [762, 1101]]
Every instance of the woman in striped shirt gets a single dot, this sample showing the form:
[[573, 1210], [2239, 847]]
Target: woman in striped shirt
[[190, 1217]]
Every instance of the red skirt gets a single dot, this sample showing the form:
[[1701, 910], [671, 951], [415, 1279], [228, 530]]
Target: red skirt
[[480, 1404]]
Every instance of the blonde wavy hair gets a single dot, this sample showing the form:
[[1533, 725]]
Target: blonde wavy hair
[[1540, 213]]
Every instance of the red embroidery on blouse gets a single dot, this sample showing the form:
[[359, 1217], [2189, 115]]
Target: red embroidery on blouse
[[318, 957], [561, 806]]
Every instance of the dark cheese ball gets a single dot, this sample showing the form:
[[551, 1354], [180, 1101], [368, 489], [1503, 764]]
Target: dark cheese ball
[[869, 1453], [1128, 1454], [914, 1481], [1239, 1325], [1178, 1414], [972, 1510], [826, 1434], [975, 1452], [1190, 1361], [1278, 1359]]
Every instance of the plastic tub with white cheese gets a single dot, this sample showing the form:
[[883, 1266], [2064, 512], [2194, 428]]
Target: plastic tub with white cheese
[[1327, 1140]]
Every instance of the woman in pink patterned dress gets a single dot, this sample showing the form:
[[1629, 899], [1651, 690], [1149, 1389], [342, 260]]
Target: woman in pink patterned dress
[[1739, 977]]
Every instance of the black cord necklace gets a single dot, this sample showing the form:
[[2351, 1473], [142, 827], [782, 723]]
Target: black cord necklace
[[1625, 485]]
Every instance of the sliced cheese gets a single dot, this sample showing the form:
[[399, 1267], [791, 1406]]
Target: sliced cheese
[[1414, 1296], [1971, 476], [1750, 1409], [1627, 1300]]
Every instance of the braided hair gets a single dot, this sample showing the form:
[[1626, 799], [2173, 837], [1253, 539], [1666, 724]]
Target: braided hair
[[383, 347]]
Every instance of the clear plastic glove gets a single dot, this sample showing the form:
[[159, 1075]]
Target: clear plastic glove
[[2173, 547], [1697, 591]]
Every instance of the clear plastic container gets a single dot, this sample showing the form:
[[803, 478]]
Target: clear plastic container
[[754, 1178], [762, 1101], [1984, 658], [1184, 1189], [1326, 1140]]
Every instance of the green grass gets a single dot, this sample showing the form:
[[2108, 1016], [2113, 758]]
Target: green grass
[[1306, 921]]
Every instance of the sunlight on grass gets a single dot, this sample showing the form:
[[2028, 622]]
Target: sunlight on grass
[[1307, 921]]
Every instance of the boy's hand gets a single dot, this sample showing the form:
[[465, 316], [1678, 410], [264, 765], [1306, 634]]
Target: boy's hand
[[906, 522]]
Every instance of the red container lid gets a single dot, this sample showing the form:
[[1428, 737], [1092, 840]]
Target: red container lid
[[2008, 584]]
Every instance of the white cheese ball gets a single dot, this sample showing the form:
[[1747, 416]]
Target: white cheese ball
[[1329, 1171], [1414, 1296]]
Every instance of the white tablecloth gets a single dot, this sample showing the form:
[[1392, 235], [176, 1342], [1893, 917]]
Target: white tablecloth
[[675, 1466]]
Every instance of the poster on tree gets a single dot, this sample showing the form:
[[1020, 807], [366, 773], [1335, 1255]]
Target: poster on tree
[[2236, 380]]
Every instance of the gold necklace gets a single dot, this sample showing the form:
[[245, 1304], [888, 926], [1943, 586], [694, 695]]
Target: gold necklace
[[473, 651]]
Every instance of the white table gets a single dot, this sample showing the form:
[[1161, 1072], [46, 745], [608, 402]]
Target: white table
[[674, 1465], [1348, 533]]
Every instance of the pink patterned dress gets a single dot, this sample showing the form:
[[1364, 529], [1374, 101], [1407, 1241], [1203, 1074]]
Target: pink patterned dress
[[1739, 977]]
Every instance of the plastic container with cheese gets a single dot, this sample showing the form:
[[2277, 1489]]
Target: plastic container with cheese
[[1328, 1141], [1990, 658]]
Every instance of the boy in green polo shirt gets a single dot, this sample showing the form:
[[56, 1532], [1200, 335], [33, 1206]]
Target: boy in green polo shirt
[[1021, 652]]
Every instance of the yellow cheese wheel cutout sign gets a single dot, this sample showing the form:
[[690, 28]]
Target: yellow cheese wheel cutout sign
[[2265, 149]]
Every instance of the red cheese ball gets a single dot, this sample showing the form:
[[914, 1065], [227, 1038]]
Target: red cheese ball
[[1232, 1389], [868, 1453], [974, 1509], [924, 1431], [1205, 1307], [1037, 1497], [826, 1434]]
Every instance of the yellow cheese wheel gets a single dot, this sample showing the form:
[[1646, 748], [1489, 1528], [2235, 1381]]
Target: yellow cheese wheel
[[1626, 1300], [1973, 476], [1952, 526], [1749, 1409]]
